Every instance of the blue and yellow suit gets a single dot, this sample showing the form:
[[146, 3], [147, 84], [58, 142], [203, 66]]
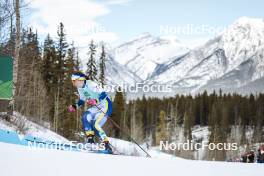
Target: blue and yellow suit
[[95, 117]]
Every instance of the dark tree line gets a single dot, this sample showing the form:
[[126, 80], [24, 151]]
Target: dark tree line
[[220, 112]]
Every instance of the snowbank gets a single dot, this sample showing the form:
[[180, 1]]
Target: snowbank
[[20, 160], [30, 128], [24, 161]]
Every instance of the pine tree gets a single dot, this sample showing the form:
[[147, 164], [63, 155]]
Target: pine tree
[[77, 64], [8, 48], [91, 65], [70, 65], [136, 124], [189, 119], [225, 119], [161, 129], [204, 109], [49, 63], [61, 47], [102, 67], [69, 122], [32, 95], [118, 113]]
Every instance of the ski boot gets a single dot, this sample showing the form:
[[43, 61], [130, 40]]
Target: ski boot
[[108, 147], [90, 137]]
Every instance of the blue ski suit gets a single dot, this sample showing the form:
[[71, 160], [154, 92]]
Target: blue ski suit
[[95, 117]]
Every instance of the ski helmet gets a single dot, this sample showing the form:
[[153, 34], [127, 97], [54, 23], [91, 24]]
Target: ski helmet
[[78, 76]]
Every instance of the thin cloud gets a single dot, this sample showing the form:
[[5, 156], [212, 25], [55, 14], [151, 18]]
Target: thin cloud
[[78, 16], [118, 2]]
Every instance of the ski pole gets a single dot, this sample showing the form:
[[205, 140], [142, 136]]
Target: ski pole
[[117, 126], [114, 123]]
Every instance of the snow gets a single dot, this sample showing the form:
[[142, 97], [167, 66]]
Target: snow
[[30, 128], [131, 149], [240, 42], [25, 161], [117, 74], [6, 126], [199, 132], [35, 130], [165, 60], [20, 160], [246, 35], [142, 54]]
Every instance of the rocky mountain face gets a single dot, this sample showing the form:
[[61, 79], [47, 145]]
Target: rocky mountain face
[[232, 61]]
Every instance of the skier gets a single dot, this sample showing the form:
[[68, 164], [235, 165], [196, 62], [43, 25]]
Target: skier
[[260, 155], [251, 156], [100, 108]]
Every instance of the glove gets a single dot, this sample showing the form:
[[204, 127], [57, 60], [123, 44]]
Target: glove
[[102, 96], [72, 108], [91, 102]]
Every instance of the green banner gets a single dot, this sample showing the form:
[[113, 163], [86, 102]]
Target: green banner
[[6, 77]]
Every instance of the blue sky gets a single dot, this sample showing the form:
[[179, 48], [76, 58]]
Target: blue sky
[[120, 20], [148, 15]]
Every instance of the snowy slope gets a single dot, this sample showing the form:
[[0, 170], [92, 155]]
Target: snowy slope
[[32, 129], [236, 56], [243, 45], [29, 128], [142, 54], [19, 160], [24, 161], [254, 86], [117, 74]]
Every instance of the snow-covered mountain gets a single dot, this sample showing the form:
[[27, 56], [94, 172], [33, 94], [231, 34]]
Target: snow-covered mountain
[[117, 74], [229, 61], [232, 61], [144, 53]]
